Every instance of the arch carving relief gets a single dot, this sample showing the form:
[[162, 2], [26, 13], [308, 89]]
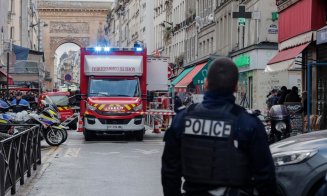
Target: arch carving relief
[[55, 42], [69, 27]]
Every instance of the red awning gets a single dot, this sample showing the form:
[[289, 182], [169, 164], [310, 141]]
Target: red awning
[[181, 85], [285, 59], [11, 81]]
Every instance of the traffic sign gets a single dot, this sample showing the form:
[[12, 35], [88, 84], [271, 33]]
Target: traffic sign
[[170, 72], [68, 77]]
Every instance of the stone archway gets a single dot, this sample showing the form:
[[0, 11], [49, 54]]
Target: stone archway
[[78, 22]]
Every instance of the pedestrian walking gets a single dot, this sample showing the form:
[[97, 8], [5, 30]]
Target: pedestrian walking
[[217, 146]]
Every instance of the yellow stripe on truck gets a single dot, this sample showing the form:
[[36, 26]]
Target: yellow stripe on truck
[[133, 105], [127, 106], [96, 105], [101, 106], [60, 109]]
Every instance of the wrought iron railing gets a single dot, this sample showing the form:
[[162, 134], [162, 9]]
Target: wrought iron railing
[[18, 155]]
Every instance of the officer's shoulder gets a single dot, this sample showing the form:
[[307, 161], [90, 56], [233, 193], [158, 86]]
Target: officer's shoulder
[[246, 112]]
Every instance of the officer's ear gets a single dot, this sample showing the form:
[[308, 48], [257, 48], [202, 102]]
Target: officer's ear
[[236, 88]]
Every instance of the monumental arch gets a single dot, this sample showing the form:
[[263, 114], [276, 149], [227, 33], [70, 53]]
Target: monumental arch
[[70, 21]]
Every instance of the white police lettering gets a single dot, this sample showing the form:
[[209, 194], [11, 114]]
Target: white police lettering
[[205, 127]]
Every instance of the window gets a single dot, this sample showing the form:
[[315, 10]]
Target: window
[[114, 88]]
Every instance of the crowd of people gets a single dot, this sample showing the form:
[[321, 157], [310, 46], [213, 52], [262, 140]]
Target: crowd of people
[[279, 97], [30, 96], [178, 102]]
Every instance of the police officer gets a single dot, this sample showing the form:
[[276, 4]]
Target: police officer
[[19, 104], [216, 146]]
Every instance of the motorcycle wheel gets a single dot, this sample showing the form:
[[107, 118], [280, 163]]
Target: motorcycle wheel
[[53, 137], [65, 134]]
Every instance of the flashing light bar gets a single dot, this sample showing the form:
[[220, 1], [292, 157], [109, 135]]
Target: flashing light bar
[[108, 49], [139, 49]]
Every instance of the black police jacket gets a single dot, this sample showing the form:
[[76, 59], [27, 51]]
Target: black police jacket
[[252, 139]]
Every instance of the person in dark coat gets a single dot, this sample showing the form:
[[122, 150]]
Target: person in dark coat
[[177, 102], [283, 93], [293, 96], [238, 138]]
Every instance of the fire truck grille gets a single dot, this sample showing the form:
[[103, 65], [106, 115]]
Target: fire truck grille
[[114, 121], [112, 113]]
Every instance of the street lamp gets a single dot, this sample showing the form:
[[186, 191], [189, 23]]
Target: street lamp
[[38, 24]]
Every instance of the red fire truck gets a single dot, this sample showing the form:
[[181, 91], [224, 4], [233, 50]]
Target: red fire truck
[[114, 87]]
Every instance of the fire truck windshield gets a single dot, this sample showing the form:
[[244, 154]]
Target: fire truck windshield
[[114, 87]]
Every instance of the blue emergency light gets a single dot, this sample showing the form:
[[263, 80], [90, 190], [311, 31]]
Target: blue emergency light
[[98, 49], [106, 49], [139, 49]]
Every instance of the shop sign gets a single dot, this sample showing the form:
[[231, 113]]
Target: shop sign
[[273, 29], [322, 36], [242, 61]]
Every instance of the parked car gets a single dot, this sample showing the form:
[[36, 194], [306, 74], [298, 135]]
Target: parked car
[[301, 163]]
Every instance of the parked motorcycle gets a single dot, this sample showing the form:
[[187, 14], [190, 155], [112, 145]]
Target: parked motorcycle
[[53, 133], [48, 118], [277, 122], [5, 119], [280, 123]]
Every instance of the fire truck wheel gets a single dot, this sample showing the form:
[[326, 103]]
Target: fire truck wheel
[[139, 135], [88, 136]]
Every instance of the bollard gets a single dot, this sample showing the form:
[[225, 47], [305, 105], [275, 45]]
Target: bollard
[[80, 126], [156, 128]]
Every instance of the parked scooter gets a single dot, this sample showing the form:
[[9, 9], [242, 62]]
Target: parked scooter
[[277, 122], [280, 123]]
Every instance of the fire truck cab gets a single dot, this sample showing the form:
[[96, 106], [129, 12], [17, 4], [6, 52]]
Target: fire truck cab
[[114, 90]]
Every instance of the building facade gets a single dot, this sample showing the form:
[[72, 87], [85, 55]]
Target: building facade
[[300, 43], [132, 21]]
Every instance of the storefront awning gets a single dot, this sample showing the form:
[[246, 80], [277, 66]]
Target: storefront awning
[[181, 76], [189, 77], [285, 59], [201, 75], [3, 73]]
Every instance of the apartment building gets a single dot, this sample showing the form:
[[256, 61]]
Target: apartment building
[[3, 24], [206, 28], [191, 29], [160, 26], [251, 44], [24, 24], [130, 21], [146, 31]]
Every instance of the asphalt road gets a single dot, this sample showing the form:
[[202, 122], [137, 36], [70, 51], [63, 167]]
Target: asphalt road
[[110, 166]]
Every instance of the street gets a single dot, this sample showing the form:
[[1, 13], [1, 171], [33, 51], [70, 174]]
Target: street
[[113, 166]]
